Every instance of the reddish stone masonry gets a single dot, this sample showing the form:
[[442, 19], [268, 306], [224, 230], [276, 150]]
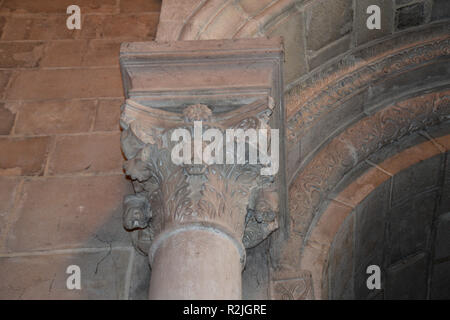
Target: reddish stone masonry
[[61, 177]]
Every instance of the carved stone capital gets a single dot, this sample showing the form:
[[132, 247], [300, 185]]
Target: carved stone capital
[[231, 198], [235, 198]]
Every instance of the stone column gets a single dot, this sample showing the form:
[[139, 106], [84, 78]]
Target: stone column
[[197, 263], [195, 217]]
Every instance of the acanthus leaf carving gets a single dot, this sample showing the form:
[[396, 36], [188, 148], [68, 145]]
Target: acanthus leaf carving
[[167, 194]]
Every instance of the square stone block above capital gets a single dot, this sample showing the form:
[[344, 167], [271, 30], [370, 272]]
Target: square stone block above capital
[[222, 74]]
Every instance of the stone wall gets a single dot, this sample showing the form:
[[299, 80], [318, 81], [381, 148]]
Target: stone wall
[[61, 178]]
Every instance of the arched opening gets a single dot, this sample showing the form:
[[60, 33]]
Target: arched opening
[[401, 225]]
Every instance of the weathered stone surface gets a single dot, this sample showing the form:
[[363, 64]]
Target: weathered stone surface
[[391, 154], [194, 77], [347, 88], [2, 25], [329, 223], [323, 27], [358, 184], [255, 277], [213, 187], [15, 28], [55, 117], [361, 292], [422, 76], [252, 7], [57, 213], [8, 192], [60, 84], [444, 206], [65, 212], [442, 242], [407, 280], [441, 10], [329, 52], [4, 79], [102, 53], [64, 53], [363, 34], [199, 214], [293, 285], [294, 158], [370, 226], [314, 260], [20, 54], [76, 53], [416, 179], [108, 115], [60, 6], [173, 17], [316, 101], [292, 31], [211, 268], [103, 275], [47, 27], [6, 120], [319, 94], [330, 123], [137, 26], [410, 16], [440, 283], [23, 156], [139, 6], [140, 277], [410, 226], [402, 2], [90, 153], [306, 195], [341, 260]]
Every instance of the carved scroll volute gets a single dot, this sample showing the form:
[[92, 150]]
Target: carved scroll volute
[[235, 198]]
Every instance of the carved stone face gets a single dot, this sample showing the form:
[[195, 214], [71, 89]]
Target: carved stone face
[[134, 218], [137, 212]]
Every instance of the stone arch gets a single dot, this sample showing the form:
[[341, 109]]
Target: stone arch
[[342, 203], [315, 32], [349, 95], [348, 122]]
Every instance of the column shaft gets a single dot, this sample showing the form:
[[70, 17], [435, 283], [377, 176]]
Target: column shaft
[[196, 264]]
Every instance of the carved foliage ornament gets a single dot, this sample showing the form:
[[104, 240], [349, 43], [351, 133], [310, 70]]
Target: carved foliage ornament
[[234, 196], [317, 96], [355, 144]]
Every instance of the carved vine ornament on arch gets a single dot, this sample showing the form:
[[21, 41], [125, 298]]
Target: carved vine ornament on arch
[[312, 99], [355, 144], [319, 96], [233, 196]]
